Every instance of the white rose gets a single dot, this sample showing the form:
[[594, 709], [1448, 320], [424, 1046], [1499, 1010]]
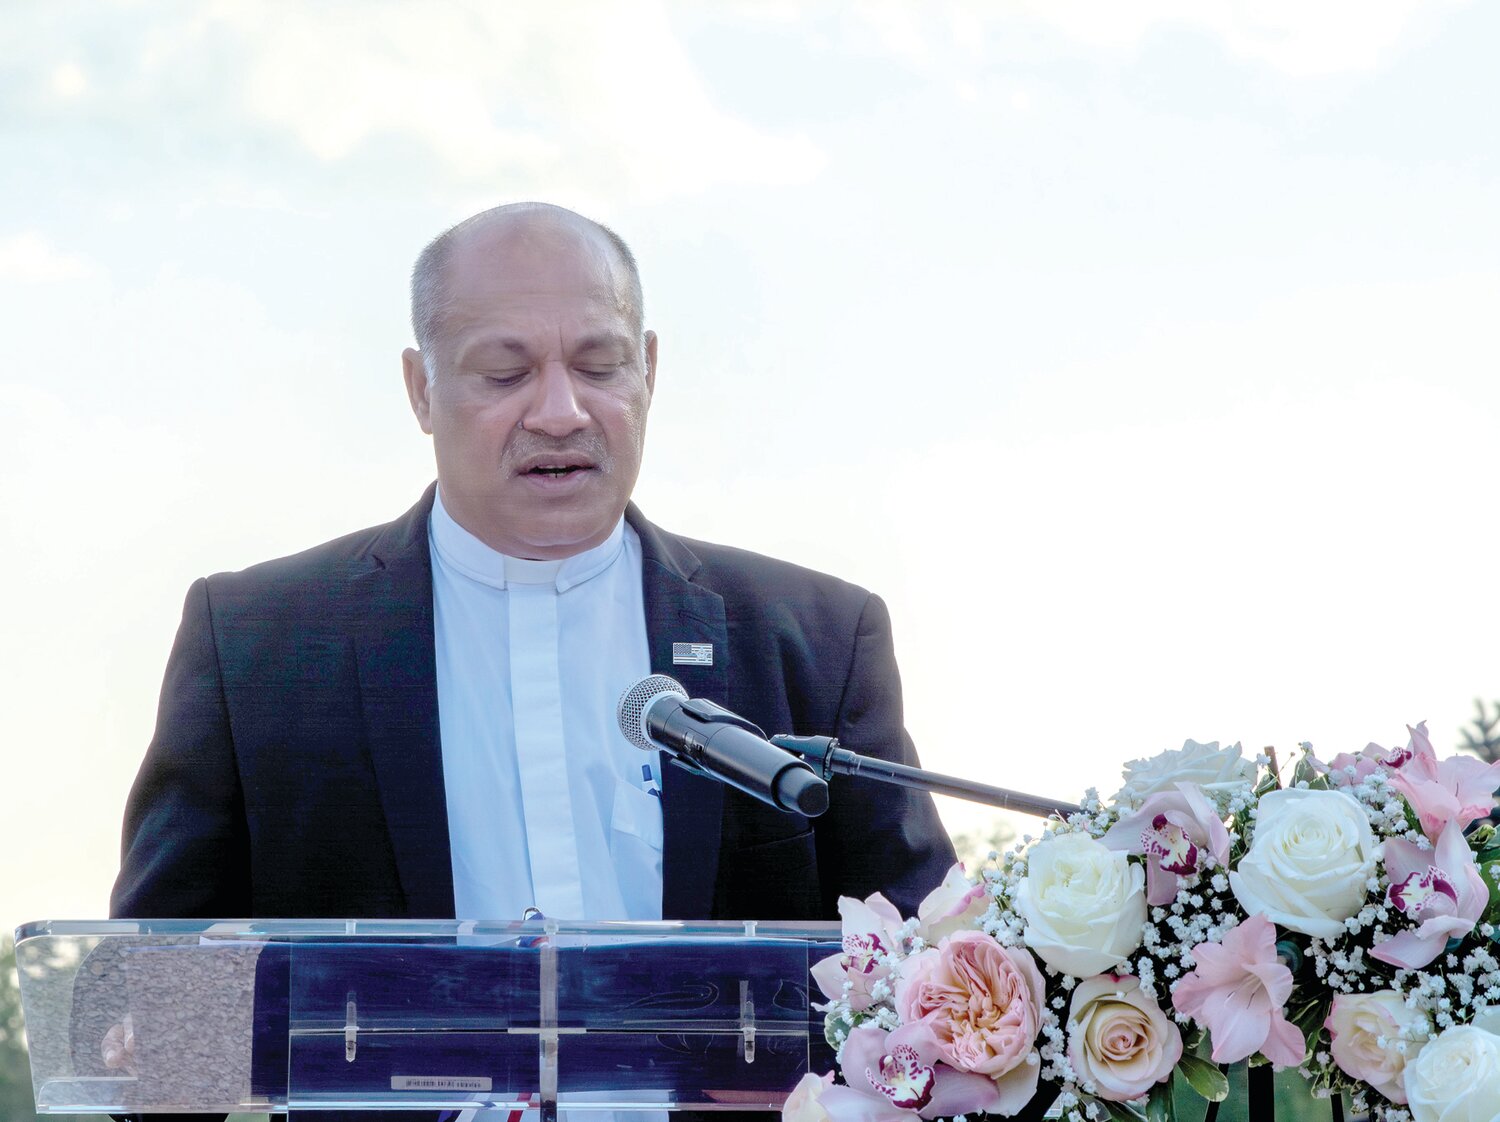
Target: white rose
[[1456, 1078], [1209, 766], [1084, 905], [1308, 861], [1375, 1036]]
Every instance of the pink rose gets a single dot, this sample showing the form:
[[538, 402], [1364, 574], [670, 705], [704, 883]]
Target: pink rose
[[899, 1076], [1440, 889], [803, 1104], [1238, 992], [1119, 1039], [871, 927], [954, 905], [1173, 829], [983, 1004], [1364, 1029]]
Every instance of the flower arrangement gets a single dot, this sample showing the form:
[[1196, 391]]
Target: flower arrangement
[[1342, 922]]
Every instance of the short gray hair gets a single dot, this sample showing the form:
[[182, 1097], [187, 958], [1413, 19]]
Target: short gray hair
[[430, 298]]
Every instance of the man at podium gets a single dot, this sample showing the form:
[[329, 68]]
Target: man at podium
[[418, 719]]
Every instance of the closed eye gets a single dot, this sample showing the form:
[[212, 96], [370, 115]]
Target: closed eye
[[503, 377]]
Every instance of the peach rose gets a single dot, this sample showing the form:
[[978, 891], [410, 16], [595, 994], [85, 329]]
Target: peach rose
[[982, 1002], [1119, 1039], [1374, 1036]]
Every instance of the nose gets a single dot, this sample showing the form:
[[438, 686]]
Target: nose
[[554, 407]]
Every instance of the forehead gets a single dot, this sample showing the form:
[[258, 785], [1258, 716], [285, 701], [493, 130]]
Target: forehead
[[522, 272]]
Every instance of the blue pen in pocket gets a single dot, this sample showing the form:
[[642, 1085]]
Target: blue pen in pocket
[[648, 781]]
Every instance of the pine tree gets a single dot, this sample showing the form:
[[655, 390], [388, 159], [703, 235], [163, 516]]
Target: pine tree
[[1484, 739]]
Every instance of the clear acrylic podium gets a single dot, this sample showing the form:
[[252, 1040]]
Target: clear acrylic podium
[[270, 1015]]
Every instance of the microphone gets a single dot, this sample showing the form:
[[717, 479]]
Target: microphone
[[704, 737]]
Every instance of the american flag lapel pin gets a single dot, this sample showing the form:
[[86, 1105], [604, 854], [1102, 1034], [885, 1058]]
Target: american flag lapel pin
[[692, 654]]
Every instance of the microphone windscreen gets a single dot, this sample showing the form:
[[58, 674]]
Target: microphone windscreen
[[635, 701]]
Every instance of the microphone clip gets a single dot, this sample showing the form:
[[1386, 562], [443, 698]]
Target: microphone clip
[[817, 751], [708, 714]]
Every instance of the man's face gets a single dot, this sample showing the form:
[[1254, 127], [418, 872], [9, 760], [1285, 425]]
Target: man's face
[[543, 380]]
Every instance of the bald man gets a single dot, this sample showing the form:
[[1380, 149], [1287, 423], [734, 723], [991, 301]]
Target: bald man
[[417, 720]]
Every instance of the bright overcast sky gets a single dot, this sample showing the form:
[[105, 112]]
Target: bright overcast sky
[[1142, 356]]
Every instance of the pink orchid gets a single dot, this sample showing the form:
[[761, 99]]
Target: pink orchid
[[1459, 789], [1418, 749], [1439, 887], [1239, 992], [803, 1104], [1374, 758], [899, 1076], [1366, 762], [954, 905], [1172, 828], [871, 927]]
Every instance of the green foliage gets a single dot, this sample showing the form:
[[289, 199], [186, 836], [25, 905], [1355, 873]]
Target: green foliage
[[1487, 861], [1309, 1014], [1160, 1105], [1204, 1077], [1306, 773]]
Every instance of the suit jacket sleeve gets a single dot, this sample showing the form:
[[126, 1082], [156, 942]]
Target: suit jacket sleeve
[[185, 851], [877, 837]]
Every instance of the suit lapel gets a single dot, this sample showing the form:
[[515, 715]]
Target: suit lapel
[[679, 611], [398, 697]]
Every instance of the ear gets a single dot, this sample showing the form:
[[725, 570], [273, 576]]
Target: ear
[[415, 372], [650, 362]]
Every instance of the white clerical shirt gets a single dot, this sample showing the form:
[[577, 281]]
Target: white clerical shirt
[[549, 806]]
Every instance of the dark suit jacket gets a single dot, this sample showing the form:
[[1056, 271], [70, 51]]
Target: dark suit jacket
[[296, 769]]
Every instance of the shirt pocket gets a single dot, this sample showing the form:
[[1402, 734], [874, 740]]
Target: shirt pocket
[[636, 815]]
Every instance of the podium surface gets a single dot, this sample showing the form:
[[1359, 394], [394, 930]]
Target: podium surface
[[271, 1015]]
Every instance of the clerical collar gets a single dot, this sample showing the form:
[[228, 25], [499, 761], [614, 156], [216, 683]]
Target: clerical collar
[[466, 554]]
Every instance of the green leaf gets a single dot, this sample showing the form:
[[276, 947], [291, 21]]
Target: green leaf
[[1304, 772], [1412, 821], [1119, 1112], [1204, 1077], [1192, 1038], [1485, 860], [1159, 1107], [1310, 1017], [832, 1034]]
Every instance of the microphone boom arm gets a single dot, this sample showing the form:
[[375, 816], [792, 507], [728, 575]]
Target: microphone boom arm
[[828, 759]]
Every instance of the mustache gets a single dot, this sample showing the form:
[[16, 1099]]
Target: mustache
[[525, 444]]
